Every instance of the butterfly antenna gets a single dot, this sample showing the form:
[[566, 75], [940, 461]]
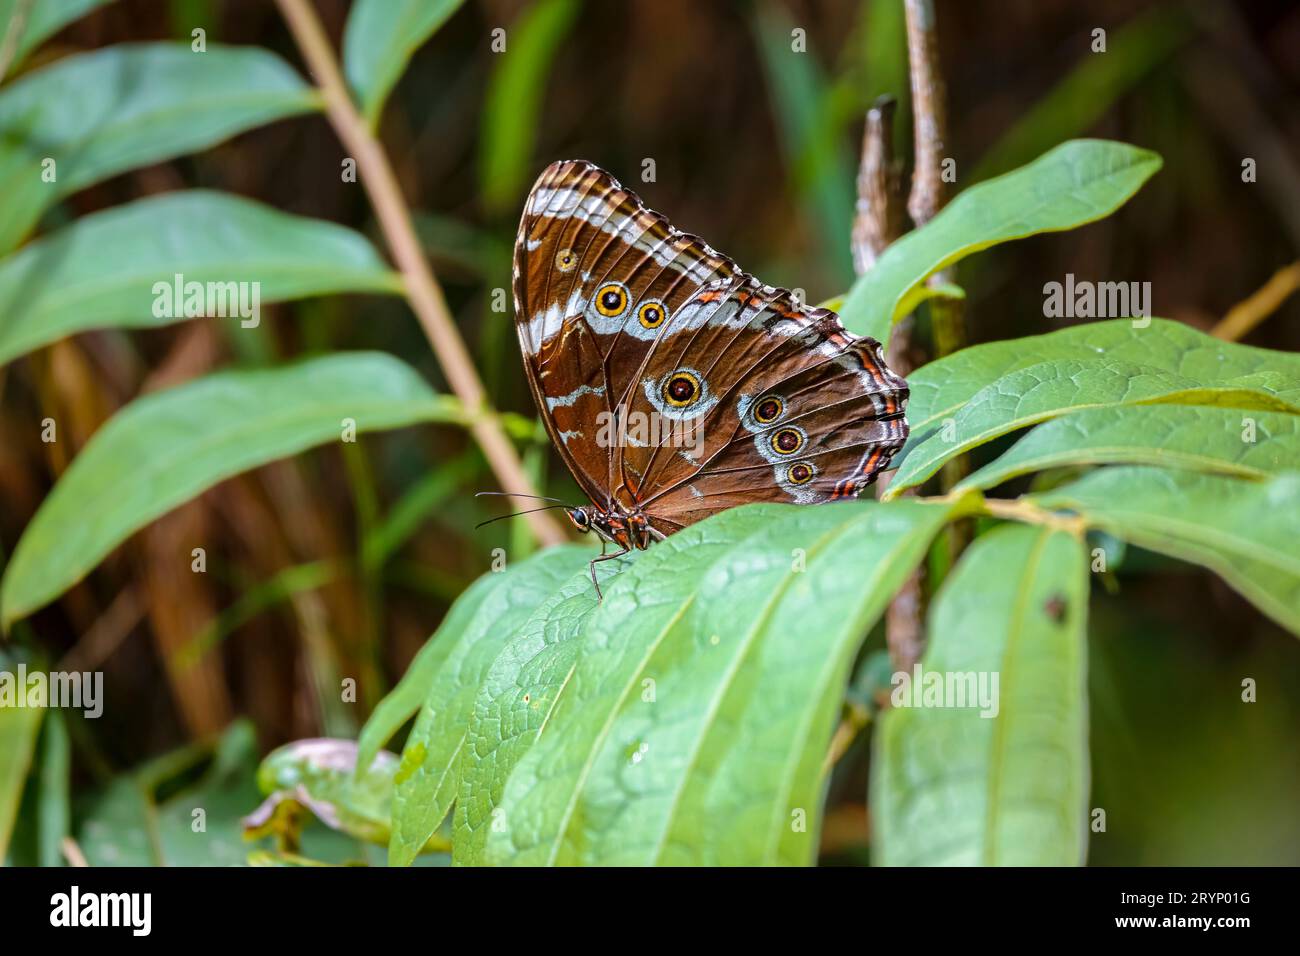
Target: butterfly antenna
[[518, 513], [514, 494]]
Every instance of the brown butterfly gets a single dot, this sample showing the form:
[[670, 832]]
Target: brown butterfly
[[675, 385]]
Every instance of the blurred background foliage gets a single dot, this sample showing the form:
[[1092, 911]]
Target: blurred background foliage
[[340, 562]]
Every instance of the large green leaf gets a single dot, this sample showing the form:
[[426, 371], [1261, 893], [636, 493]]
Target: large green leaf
[[951, 785], [1247, 444], [101, 113], [1048, 389], [102, 270], [405, 700], [1076, 183], [695, 725], [379, 40], [1244, 531], [44, 19], [428, 778], [514, 705], [513, 107], [165, 448], [940, 388]]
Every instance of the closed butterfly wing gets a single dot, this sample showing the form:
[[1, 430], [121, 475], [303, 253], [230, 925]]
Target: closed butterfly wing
[[596, 276], [674, 384]]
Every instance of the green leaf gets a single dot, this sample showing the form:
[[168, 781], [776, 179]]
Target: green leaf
[[165, 448], [951, 786], [404, 701], [53, 812], [1244, 531], [514, 100], [429, 776], [941, 388], [1230, 441], [44, 19], [117, 268], [98, 114], [19, 728], [1033, 394], [1076, 183], [379, 40], [694, 728], [514, 704]]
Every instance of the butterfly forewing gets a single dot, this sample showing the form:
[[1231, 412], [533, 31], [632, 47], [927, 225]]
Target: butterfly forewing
[[596, 277], [676, 385]]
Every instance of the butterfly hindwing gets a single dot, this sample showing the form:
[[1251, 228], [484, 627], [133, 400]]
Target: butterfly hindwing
[[788, 407]]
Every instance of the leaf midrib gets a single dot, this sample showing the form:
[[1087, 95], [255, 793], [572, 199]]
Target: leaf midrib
[[787, 778], [997, 754], [598, 741], [991, 475], [729, 674]]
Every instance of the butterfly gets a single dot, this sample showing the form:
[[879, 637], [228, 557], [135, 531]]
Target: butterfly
[[673, 384]]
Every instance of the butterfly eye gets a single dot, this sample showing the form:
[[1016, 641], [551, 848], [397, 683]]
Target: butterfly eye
[[768, 410], [681, 389], [565, 260], [787, 441], [800, 473], [611, 299], [651, 313], [579, 518]]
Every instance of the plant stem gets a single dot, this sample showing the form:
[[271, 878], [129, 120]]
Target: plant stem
[[929, 191], [879, 216], [422, 289], [13, 35], [878, 223], [1251, 311]]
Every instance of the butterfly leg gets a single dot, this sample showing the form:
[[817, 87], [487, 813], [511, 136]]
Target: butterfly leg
[[603, 557]]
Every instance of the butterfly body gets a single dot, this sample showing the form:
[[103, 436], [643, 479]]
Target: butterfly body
[[674, 384]]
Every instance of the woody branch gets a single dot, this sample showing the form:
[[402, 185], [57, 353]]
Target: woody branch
[[422, 289]]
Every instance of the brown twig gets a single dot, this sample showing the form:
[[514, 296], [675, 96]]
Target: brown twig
[[929, 110], [422, 289], [72, 852], [107, 634], [878, 222], [879, 219], [904, 621], [1257, 307]]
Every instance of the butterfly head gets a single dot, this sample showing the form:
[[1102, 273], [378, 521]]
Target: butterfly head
[[580, 517]]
